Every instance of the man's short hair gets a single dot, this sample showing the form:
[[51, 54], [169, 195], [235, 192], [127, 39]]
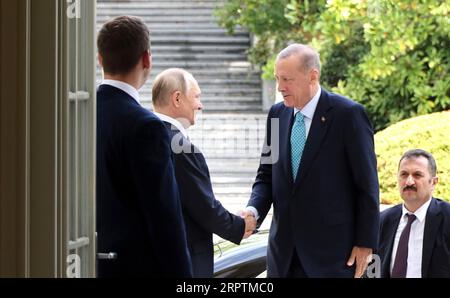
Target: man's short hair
[[168, 82], [415, 153], [309, 58], [121, 43]]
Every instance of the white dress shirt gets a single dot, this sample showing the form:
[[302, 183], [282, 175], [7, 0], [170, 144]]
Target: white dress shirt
[[174, 122], [308, 113], [127, 88], [309, 110], [415, 243]]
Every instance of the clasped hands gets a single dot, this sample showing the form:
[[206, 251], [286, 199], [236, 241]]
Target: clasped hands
[[250, 222]]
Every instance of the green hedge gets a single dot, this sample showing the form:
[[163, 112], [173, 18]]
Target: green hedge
[[429, 132]]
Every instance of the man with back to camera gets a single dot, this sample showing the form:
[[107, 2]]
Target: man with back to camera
[[415, 236], [138, 209], [176, 99]]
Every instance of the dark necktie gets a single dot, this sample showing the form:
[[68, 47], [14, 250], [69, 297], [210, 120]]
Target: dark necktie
[[401, 258]]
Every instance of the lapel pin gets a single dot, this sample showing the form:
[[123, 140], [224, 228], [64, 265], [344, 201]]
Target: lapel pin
[[323, 119]]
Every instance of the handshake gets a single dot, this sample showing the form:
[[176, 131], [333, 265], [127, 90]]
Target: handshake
[[250, 222]]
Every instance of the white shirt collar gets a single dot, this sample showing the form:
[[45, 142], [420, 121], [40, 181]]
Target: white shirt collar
[[130, 90], [310, 108], [420, 213], [174, 122]]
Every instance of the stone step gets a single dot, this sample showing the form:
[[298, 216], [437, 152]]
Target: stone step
[[226, 155], [235, 175], [205, 74], [199, 48], [161, 26], [227, 86], [250, 107], [195, 39], [224, 97], [198, 32], [188, 56], [185, 34], [233, 116], [248, 137], [211, 86], [229, 153], [208, 101], [229, 156], [249, 131], [219, 72], [226, 147], [228, 191], [212, 107], [216, 65], [218, 89], [233, 165], [119, 6], [208, 19], [182, 29], [232, 180], [163, 10]]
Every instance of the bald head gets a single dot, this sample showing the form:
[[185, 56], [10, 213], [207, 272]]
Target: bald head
[[308, 57], [176, 94], [170, 81]]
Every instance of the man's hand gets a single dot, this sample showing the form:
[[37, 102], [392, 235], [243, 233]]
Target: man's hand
[[250, 222], [250, 226], [362, 257]]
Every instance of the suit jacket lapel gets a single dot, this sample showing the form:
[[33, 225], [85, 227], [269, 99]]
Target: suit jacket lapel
[[286, 120], [389, 231], [432, 223], [319, 126]]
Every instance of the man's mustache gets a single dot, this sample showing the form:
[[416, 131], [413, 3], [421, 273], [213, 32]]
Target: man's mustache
[[410, 188]]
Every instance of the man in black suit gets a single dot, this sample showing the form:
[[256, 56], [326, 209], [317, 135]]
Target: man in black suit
[[415, 235], [138, 207], [176, 99], [318, 170]]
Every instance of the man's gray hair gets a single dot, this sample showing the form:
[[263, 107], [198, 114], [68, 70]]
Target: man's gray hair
[[308, 56], [170, 81]]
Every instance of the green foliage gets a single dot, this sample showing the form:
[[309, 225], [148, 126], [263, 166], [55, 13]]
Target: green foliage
[[429, 132], [392, 56], [268, 70], [273, 22]]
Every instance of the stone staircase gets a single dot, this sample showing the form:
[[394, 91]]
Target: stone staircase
[[184, 34], [232, 145], [230, 130]]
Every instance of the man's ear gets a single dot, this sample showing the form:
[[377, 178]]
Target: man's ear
[[176, 99], [435, 180], [314, 75], [147, 60], [100, 60]]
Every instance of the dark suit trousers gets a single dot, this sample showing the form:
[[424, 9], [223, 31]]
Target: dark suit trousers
[[296, 269]]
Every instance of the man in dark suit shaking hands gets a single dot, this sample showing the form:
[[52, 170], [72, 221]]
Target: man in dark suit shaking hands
[[138, 208], [176, 99], [415, 235], [323, 184]]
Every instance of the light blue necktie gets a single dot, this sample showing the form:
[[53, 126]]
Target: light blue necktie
[[298, 140]]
